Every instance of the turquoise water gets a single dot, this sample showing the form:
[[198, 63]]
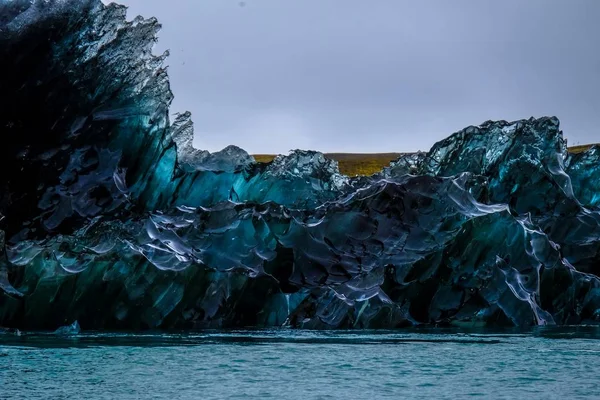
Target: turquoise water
[[283, 364]]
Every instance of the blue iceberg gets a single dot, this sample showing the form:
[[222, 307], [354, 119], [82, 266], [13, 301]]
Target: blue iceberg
[[111, 218]]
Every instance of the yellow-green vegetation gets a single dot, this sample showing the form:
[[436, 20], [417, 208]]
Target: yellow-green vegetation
[[579, 149], [362, 164], [353, 164], [263, 158]]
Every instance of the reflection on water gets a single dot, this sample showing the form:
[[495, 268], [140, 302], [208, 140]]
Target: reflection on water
[[12, 337]]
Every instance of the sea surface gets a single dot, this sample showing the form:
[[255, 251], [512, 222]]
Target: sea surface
[[549, 363]]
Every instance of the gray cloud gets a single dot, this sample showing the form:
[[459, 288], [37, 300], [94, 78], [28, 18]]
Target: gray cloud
[[389, 75]]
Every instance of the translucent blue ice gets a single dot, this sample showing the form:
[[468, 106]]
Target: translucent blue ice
[[111, 218]]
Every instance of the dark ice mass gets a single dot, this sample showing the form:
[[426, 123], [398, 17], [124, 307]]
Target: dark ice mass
[[111, 219]]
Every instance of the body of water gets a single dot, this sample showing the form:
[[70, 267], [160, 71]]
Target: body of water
[[283, 364]]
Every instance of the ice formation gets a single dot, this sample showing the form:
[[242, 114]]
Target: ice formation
[[111, 218]]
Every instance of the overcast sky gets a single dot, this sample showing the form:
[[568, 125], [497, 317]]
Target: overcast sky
[[376, 76]]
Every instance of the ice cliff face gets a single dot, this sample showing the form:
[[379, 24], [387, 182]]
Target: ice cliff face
[[110, 217]]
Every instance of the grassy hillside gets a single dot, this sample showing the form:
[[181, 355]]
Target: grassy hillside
[[367, 164], [580, 149], [351, 163]]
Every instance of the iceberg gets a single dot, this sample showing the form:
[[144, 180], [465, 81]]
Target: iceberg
[[111, 218]]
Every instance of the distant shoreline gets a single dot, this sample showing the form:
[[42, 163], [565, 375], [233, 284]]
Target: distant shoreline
[[352, 164]]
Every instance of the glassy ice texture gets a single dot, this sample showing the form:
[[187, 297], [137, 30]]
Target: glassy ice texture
[[112, 220]]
